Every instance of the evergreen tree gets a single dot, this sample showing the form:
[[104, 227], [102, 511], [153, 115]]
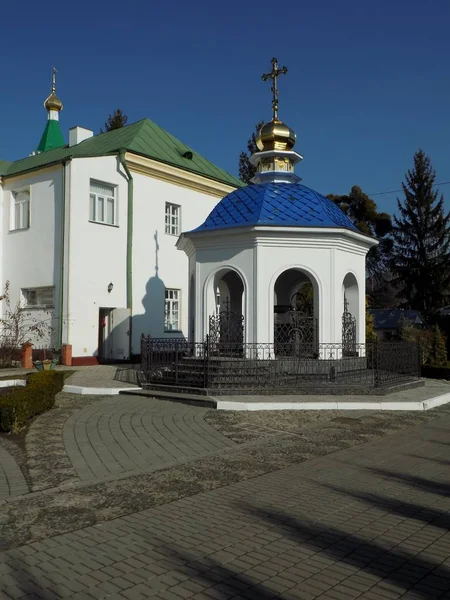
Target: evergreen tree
[[438, 348], [115, 121], [364, 214], [246, 169], [371, 336], [421, 254]]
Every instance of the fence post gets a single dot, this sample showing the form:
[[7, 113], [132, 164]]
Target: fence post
[[176, 362], [26, 358], [419, 360], [205, 361], [376, 365]]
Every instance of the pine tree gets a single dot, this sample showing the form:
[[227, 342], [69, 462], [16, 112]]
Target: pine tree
[[115, 121], [246, 169], [363, 213], [421, 253]]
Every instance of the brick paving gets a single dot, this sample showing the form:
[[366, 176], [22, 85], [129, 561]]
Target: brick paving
[[370, 522], [122, 434]]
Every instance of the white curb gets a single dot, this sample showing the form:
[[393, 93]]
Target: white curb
[[335, 405], [13, 383], [95, 391]]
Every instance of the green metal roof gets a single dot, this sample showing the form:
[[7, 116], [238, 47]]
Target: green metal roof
[[144, 138], [4, 166], [52, 137]]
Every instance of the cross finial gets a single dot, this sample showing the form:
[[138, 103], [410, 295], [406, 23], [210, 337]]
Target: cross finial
[[54, 79], [276, 70]]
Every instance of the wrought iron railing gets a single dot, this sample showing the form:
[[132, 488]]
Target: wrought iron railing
[[275, 368]]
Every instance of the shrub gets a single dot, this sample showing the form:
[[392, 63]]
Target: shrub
[[438, 349], [23, 403]]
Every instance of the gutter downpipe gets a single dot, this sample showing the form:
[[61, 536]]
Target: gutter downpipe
[[62, 258], [129, 275]]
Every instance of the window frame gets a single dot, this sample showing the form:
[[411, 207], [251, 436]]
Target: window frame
[[37, 290], [94, 202], [168, 212], [170, 301], [14, 202]]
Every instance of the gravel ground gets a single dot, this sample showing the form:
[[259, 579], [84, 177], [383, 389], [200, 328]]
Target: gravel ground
[[305, 437]]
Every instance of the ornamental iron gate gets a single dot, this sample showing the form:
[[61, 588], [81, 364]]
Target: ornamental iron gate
[[348, 331], [295, 334], [226, 331]]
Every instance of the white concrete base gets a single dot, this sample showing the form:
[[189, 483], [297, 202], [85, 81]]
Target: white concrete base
[[95, 391], [335, 405], [13, 383]]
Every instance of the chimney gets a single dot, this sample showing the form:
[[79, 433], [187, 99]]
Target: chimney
[[78, 135]]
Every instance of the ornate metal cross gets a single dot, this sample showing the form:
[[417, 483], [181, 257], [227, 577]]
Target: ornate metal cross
[[276, 70], [54, 79]]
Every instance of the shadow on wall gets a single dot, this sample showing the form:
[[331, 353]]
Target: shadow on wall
[[150, 322]]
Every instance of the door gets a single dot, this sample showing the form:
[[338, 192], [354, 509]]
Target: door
[[119, 334]]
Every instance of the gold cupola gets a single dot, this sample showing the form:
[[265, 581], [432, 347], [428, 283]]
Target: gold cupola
[[276, 135], [53, 102], [276, 158]]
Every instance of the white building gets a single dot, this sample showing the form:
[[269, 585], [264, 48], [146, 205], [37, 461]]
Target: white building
[[91, 230], [89, 233]]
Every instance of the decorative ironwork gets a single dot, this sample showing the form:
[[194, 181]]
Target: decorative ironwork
[[273, 75], [348, 331], [274, 369], [295, 333], [226, 329]]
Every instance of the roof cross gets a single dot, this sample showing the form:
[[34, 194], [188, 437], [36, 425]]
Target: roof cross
[[276, 71], [54, 79]]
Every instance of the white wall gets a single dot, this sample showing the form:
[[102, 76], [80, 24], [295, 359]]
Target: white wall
[[96, 253], [157, 264], [260, 257], [31, 257]]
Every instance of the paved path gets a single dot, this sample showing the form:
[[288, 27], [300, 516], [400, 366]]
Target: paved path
[[101, 376], [371, 522], [123, 434], [12, 481]]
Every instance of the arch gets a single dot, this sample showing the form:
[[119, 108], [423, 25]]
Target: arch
[[350, 299], [284, 285], [226, 279]]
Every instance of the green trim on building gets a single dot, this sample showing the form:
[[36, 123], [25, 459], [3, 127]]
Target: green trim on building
[[144, 138], [52, 137]]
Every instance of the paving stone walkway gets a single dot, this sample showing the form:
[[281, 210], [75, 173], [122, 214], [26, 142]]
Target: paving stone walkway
[[122, 434], [12, 481], [371, 522]]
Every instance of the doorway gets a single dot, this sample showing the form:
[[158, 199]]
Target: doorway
[[114, 334]]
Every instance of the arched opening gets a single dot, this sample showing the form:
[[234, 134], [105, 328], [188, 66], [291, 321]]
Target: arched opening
[[350, 317], [226, 323], [296, 312]]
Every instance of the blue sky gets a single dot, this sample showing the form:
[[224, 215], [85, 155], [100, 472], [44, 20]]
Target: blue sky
[[368, 82]]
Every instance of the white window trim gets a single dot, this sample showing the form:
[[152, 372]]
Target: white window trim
[[178, 329], [115, 203], [37, 306], [12, 209], [168, 211]]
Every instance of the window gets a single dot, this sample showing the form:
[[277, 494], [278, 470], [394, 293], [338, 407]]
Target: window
[[38, 297], [102, 203], [172, 310], [21, 210], [173, 219]]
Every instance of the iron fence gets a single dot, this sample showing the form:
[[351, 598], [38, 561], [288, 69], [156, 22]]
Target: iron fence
[[275, 368]]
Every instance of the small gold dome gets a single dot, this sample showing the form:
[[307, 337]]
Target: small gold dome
[[276, 135], [53, 102]]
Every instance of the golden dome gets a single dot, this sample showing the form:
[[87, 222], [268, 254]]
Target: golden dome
[[276, 135], [53, 102]]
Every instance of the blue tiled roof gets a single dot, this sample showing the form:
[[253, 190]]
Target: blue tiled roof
[[279, 204]]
